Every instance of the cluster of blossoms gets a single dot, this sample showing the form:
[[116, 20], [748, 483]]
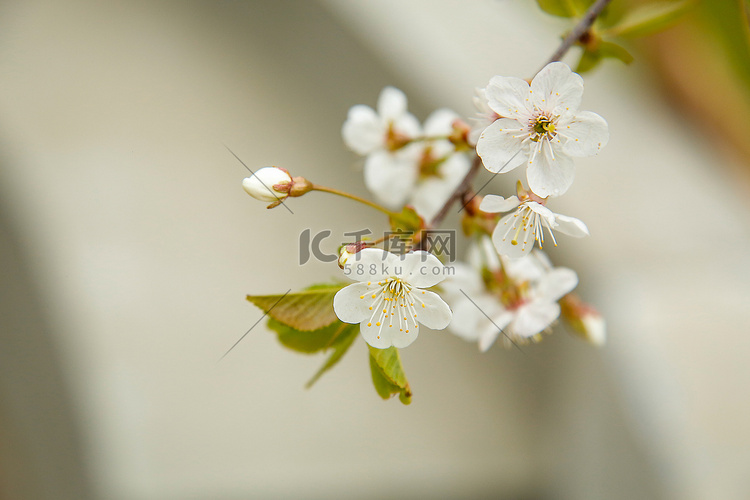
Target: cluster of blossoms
[[407, 163], [507, 286]]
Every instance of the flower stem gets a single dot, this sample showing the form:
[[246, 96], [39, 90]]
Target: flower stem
[[428, 138], [579, 29], [324, 189]]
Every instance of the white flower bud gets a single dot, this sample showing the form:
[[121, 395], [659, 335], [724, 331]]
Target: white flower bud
[[349, 250], [586, 322], [595, 328], [270, 184]]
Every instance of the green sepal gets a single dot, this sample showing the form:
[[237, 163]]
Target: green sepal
[[310, 309], [388, 375]]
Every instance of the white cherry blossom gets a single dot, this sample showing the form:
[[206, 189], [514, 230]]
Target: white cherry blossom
[[519, 303], [406, 163], [388, 301], [540, 127], [366, 130], [515, 234], [440, 169]]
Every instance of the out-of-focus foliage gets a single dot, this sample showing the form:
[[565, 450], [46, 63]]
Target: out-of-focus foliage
[[649, 18], [564, 8], [631, 21]]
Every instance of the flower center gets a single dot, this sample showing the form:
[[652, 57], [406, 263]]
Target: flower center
[[512, 294], [515, 295], [429, 164], [395, 140], [395, 288], [394, 306], [542, 126]]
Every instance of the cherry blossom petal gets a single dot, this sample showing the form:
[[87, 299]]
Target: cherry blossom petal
[[431, 194], [408, 125], [370, 265], [421, 269], [467, 318], [529, 268], [401, 339], [558, 282], [508, 96], [585, 134], [501, 145], [544, 212], [550, 175], [493, 329], [511, 229], [463, 279], [363, 131], [571, 226], [378, 336], [440, 122], [484, 255], [496, 204], [391, 103], [352, 303], [534, 317], [390, 176], [557, 89], [435, 314]]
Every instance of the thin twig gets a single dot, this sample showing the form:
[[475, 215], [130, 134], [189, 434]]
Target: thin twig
[[580, 29], [459, 192]]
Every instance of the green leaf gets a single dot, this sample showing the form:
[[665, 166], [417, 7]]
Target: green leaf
[[337, 336], [388, 375], [650, 18], [564, 8], [345, 336], [614, 51], [307, 342], [589, 60], [310, 309]]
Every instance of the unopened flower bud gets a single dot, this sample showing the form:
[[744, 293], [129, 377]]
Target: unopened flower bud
[[270, 184], [595, 328], [460, 135], [585, 321], [346, 251]]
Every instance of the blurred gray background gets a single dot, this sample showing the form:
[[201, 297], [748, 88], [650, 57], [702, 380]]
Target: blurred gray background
[[128, 246]]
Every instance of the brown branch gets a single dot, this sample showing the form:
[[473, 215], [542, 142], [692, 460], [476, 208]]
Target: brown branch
[[459, 192], [580, 29]]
